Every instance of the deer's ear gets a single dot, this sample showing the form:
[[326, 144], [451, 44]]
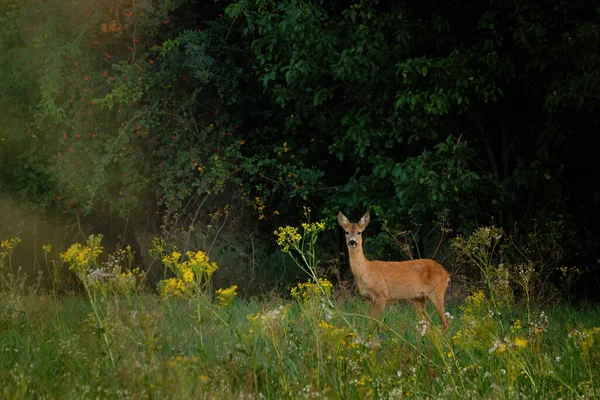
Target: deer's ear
[[342, 220], [364, 220]]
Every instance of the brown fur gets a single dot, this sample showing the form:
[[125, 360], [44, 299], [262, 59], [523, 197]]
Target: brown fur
[[383, 281]]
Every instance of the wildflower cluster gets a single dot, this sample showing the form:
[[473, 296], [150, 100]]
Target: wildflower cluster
[[288, 237], [334, 334], [585, 338], [505, 344], [102, 282], [159, 248], [265, 318], [301, 248], [111, 278], [81, 257], [196, 266], [274, 328], [111, 275], [539, 325], [484, 240], [192, 275], [423, 325], [315, 227], [526, 333], [477, 328], [200, 264], [174, 287], [226, 296], [270, 323], [482, 254], [193, 272], [311, 290], [7, 247]]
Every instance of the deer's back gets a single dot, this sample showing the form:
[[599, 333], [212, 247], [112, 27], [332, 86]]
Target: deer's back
[[408, 279]]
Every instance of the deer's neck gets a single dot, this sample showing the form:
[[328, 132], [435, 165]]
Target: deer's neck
[[358, 262]]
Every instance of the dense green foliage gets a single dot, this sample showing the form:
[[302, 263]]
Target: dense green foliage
[[212, 123]]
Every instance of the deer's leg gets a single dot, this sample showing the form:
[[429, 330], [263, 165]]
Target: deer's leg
[[437, 298], [377, 312], [378, 307]]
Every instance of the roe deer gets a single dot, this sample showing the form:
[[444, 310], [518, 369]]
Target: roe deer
[[382, 281]]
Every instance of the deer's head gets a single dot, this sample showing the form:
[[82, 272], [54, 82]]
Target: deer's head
[[354, 230]]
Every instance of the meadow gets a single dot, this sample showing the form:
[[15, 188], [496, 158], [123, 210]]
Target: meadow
[[119, 339]]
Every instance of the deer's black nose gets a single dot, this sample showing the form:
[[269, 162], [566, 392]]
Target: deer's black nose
[[352, 243]]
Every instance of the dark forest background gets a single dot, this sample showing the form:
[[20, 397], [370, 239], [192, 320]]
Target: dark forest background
[[211, 123]]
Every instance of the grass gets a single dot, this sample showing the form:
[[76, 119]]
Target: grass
[[119, 340], [290, 348]]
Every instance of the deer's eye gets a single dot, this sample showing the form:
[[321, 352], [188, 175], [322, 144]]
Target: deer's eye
[[358, 233], [347, 233]]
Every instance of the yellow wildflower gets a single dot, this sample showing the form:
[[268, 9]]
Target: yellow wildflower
[[158, 248], [310, 289], [187, 274], [226, 296], [80, 257], [520, 342], [171, 260], [477, 298], [287, 237], [10, 244], [173, 287], [313, 228], [199, 262]]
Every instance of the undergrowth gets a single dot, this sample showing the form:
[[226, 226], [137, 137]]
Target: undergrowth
[[120, 340]]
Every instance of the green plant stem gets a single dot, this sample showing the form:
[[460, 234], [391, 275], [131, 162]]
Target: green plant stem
[[100, 322]]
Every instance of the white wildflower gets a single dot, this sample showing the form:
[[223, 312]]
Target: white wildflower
[[423, 325]]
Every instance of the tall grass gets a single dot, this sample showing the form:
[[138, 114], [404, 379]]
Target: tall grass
[[53, 349], [119, 340]]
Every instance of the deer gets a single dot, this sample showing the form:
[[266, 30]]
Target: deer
[[384, 281]]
